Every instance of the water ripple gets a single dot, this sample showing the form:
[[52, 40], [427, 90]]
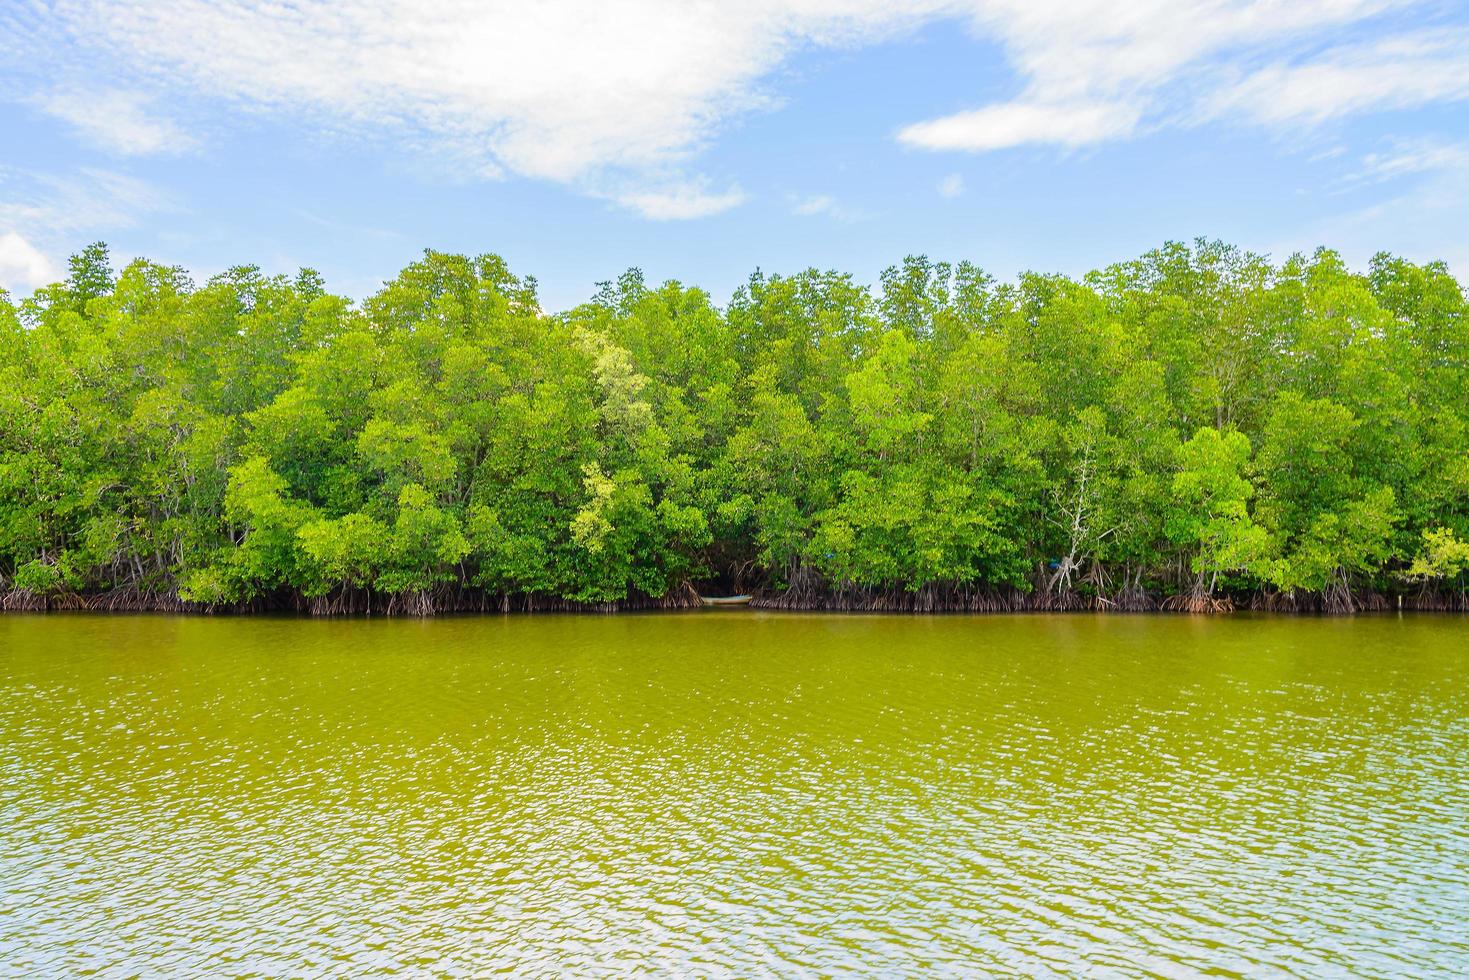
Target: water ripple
[[734, 795]]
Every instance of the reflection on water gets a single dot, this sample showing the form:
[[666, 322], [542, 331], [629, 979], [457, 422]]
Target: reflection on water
[[734, 792]]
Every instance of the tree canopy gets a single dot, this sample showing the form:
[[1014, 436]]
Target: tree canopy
[[1193, 429]]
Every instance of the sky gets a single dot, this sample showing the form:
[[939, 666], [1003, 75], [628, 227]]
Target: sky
[[700, 141]]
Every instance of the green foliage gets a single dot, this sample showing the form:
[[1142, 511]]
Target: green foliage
[[1193, 421], [1324, 517], [1209, 510], [1444, 556]]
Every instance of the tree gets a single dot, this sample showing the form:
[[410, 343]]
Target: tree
[[1325, 521], [1209, 512], [258, 442]]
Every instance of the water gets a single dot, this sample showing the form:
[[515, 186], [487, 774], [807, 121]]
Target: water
[[734, 793]]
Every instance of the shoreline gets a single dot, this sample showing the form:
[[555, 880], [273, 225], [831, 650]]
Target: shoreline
[[919, 603]]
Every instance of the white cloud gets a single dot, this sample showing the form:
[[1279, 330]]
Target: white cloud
[[814, 205], [117, 120], [951, 186], [1415, 157], [88, 201], [824, 204], [679, 201], [561, 90], [1013, 124], [1095, 70], [1394, 73], [23, 267], [625, 94]]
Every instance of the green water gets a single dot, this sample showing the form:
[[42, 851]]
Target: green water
[[734, 793]]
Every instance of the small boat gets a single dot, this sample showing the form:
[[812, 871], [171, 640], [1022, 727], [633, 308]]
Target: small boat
[[725, 600]]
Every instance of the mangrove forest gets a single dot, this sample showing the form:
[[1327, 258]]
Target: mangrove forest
[[1198, 429]]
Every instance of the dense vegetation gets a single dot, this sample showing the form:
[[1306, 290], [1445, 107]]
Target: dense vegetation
[[1194, 429]]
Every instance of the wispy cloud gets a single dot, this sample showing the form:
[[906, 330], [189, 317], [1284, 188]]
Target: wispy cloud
[[1411, 197], [348, 228], [819, 204], [578, 93], [599, 95], [43, 215], [117, 120], [679, 201], [1094, 71], [1015, 123], [951, 186], [89, 200], [1395, 72], [825, 205], [1407, 158]]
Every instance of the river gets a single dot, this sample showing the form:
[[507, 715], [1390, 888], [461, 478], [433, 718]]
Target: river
[[734, 792]]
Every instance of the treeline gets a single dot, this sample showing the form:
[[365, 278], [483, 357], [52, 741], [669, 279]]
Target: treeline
[[1197, 429]]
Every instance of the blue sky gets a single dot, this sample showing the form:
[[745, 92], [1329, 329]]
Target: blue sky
[[701, 140]]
